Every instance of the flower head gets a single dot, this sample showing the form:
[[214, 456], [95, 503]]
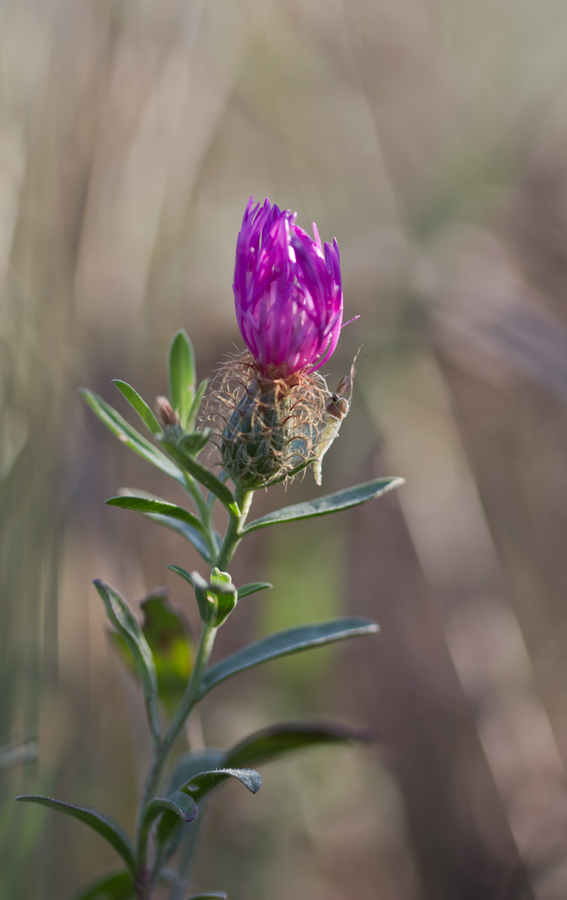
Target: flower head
[[287, 291]]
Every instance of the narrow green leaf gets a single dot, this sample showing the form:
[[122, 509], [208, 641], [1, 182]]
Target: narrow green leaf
[[278, 740], [210, 895], [187, 531], [128, 627], [182, 374], [322, 506], [190, 764], [205, 782], [283, 643], [196, 405], [110, 830], [194, 441], [179, 803], [139, 405], [182, 526], [179, 570], [118, 886], [252, 588], [161, 507], [129, 436], [204, 476], [170, 830]]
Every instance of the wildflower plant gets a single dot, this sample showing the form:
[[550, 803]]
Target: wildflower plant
[[271, 416]]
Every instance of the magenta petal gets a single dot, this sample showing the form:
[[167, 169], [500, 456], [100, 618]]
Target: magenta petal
[[287, 291]]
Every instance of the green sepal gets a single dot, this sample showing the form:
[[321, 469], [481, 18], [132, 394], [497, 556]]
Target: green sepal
[[118, 886], [196, 405], [286, 737], [332, 503], [139, 405], [182, 374], [283, 643], [110, 830], [246, 589], [127, 626], [130, 437], [194, 441]]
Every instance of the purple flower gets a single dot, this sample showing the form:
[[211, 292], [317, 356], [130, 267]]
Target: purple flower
[[288, 292]]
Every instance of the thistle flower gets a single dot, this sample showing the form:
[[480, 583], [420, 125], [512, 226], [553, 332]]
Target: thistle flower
[[287, 291], [289, 307]]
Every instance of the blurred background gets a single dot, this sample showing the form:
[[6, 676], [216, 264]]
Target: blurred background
[[431, 140]]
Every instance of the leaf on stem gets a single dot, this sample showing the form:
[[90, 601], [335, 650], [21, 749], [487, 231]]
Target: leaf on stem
[[278, 740], [210, 895], [196, 405], [118, 886], [127, 626], [139, 405], [173, 517], [203, 783], [182, 374], [129, 436], [110, 830], [246, 589], [204, 476], [282, 643], [322, 506], [194, 441], [161, 507], [179, 803]]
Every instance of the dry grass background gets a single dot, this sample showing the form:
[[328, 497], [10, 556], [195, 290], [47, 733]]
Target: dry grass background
[[431, 139]]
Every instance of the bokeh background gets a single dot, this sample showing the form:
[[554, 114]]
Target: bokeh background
[[431, 139]]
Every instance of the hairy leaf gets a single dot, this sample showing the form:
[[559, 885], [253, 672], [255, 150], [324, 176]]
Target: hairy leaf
[[129, 436], [278, 740], [282, 643], [182, 374], [322, 506], [126, 624], [139, 405], [110, 830]]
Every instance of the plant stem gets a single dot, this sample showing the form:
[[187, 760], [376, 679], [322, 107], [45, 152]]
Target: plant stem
[[208, 633], [233, 534]]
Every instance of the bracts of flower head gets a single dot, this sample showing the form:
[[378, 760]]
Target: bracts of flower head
[[270, 401]]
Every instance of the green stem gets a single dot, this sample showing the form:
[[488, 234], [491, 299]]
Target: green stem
[[233, 534], [208, 633], [205, 513]]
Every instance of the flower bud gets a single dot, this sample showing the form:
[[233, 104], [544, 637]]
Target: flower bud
[[255, 438], [168, 418]]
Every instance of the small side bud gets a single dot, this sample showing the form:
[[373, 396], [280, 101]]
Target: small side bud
[[168, 418]]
